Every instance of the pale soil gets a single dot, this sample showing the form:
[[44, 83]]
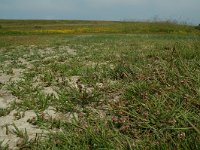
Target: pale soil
[[7, 134], [20, 119]]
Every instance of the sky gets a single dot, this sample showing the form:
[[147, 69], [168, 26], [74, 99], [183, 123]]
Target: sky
[[184, 11]]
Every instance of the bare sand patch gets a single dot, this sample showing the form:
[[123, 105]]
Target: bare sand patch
[[26, 63], [67, 49], [4, 78], [7, 128], [75, 82], [50, 113], [6, 98], [15, 76], [51, 91]]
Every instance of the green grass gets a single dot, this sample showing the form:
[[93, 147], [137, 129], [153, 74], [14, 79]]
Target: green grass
[[149, 96], [27, 27]]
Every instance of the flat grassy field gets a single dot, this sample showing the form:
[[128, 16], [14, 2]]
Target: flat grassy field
[[99, 85]]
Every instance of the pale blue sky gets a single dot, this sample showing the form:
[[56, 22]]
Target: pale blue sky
[[181, 10]]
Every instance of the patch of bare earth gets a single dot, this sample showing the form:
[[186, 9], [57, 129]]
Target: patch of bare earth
[[17, 121], [10, 124], [51, 113], [67, 49], [5, 99], [15, 76], [25, 62], [51, 91]]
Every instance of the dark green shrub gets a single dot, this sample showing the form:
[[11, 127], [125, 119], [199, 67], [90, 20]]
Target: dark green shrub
[[37, 27], [198, 27]]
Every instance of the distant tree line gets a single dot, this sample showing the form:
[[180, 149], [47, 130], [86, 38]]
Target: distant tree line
[[198, 27]]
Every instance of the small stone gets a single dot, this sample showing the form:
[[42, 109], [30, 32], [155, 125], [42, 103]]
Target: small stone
[[181, 135], [20, 142]]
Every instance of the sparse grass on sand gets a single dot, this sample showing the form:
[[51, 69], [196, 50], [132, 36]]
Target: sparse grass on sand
[[100, 91]]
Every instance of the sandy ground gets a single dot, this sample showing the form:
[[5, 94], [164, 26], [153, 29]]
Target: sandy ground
[[7, 132], [7, 123], [10, 123]]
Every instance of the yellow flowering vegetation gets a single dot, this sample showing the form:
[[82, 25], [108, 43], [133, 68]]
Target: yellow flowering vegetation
[[77, 30], [80, 27]]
